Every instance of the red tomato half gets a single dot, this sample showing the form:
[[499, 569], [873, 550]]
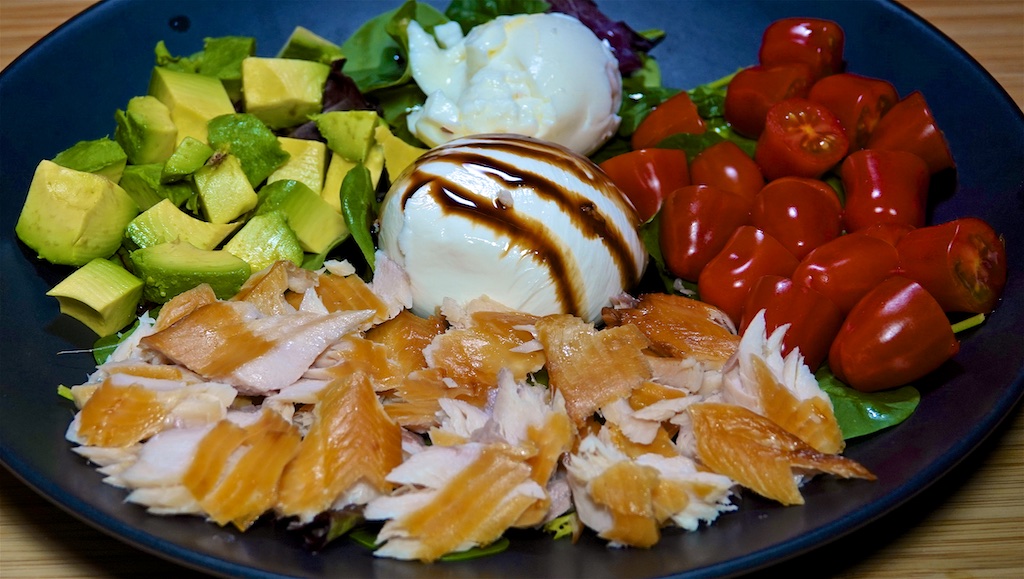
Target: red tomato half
[[812, 41], [748, 255], [724, 165], [846, 268], [800, 213], [884, 187], [895, 334], [813, 319], [801, 139], [910, 126], [646, 176], [696, 223], [858, 101], [677, 114], [962, 263], [755, 89]]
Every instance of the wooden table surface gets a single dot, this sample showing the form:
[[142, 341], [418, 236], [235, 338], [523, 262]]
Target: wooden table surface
[[969, 524]]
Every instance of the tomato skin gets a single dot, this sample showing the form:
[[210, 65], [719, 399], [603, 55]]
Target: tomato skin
[[890, 233], [813, 319], [749, 254], [696, 223], [756, 88], [858, 101], [724, 165], [895, 334], [847, 268], [800, 139], [646, 176], [678, 114], [884, 187], [813, 41], [800, 213], [910, 126], [961, 263]]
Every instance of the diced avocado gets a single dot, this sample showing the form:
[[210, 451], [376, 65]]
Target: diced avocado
[[145, 130], [164, 222], [101, 294], [169, 269], [340, 166], [348, 133], [251, 141], [72, 217], [304, 44], [397, 153], [224, 191], [222, 58], [186, 159], [101, 156], [283, 92], [265, 239], [307, 162], [315, 223], [192, 98], [143, 183]]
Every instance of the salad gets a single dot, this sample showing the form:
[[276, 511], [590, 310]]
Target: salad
[[764, 348]]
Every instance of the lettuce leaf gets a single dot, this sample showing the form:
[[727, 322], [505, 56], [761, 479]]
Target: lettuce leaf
[[471, 13]]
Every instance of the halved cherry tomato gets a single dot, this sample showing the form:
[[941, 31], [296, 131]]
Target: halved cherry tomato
[[910, 126], [813, 319], [846, 268], [858, 101], [749, 254], [800, 213], [890, 233], [677, 114], [696, 223], [813, 41], [756, 88], [801, 138], [726, 166], [646, 176], [884, 187], [962, 263], [895, 334]]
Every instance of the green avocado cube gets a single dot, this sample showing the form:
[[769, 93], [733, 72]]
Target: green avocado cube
[[164, 222], [304, 44], [186, 159], [101, 294], [72, 217], [101, 156], [143, 183], [348, 133], [192, 98], [145, 130], [169, 269], [316, 224], [265, 239], [307, 163], [251, 141], [283, 92], [224, 191]]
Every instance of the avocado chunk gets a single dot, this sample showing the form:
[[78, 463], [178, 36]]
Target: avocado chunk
[[169, 269], [164, 222], [265, 239], [283, 92], [251, 141], [72, 217], [340, 166], [143, 183], [316, 224], [192, 98], [348, 133], [145, 130], [304, 44], [187, 158], [307, 163], [222, 58], [224, 191], [101, 294], [101, 156], [397, 153]]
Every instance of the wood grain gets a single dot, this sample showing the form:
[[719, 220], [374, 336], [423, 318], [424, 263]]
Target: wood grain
[[968, 525]]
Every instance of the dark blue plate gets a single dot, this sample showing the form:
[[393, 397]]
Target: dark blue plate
[[67, 87]]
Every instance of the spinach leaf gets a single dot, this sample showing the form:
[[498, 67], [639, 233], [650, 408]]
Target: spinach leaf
[[861, 413], [470, 13], [359, 207]]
